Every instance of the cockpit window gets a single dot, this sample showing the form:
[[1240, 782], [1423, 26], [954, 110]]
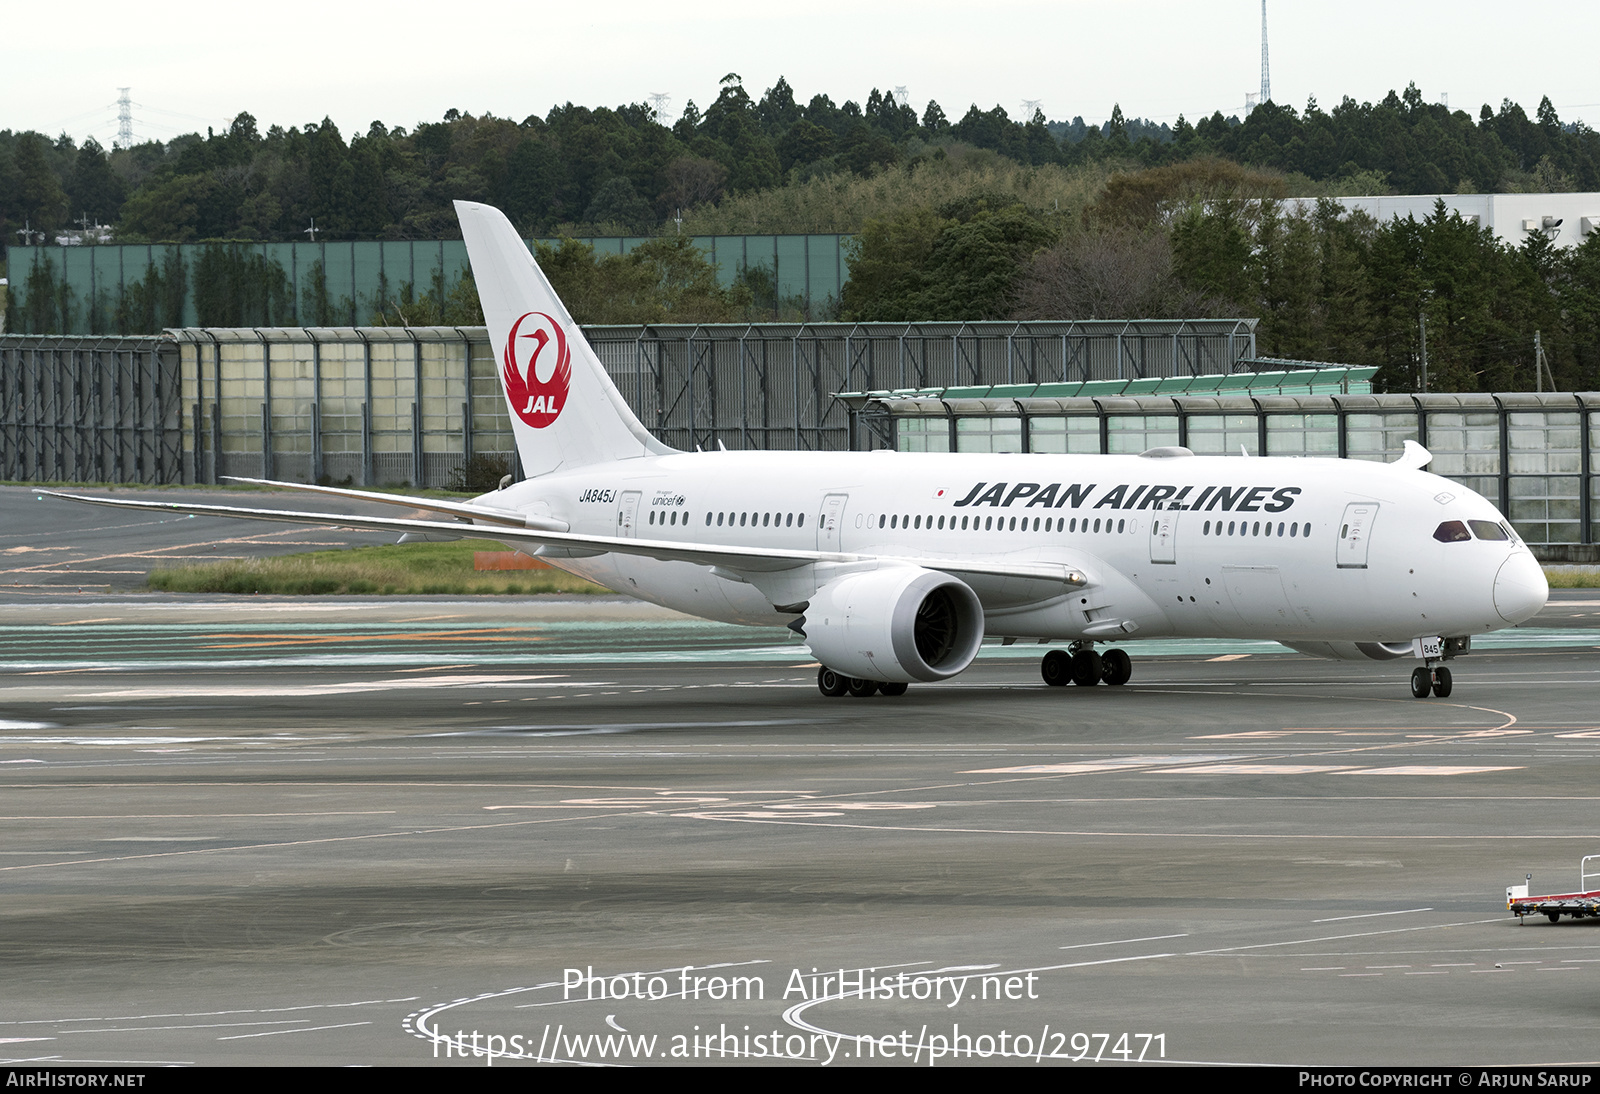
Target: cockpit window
[[1452, 531], [1487, 529]]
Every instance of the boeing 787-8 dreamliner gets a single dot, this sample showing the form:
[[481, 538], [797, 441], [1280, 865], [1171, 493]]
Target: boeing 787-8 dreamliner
[[895, 566]]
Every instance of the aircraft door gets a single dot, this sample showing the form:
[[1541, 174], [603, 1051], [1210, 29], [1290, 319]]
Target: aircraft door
[[830, 522], [1355, 533], [1164, 536], [628, 514]]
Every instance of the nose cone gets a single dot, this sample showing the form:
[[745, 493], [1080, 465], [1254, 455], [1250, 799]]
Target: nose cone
[[1520, 589]]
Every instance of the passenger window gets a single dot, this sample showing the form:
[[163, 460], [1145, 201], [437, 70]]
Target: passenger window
[[1452, 531], [1487, 529]]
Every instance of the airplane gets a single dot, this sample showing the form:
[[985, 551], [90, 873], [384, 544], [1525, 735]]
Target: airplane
[[895, 566]]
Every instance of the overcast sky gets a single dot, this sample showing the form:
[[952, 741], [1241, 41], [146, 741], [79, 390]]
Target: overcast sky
[[288, 62]]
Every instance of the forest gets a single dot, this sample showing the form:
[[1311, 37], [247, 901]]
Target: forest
[[980, 217]]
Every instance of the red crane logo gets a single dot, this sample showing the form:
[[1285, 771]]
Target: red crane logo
[[537, 344]]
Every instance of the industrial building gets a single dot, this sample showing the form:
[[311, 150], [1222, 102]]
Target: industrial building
[[1569, 220]]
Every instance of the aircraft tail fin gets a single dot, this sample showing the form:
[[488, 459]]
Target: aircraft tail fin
[[565, 411]]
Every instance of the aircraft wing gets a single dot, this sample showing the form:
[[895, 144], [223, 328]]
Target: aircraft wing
[[471, 510], [745, 559]]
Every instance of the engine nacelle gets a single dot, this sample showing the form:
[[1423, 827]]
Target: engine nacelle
[[901, 624]]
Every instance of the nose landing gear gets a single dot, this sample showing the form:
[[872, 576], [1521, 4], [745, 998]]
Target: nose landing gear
[[1432, 678], [1426, 680]]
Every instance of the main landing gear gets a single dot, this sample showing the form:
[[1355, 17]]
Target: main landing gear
[[1081, 665], [833, 685], [1425, 679]]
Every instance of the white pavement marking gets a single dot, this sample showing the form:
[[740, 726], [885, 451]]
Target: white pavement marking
[[280, 1032], [1370, 915], [1123, 941]]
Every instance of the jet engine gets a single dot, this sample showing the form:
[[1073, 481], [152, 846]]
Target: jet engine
[[900, 624]]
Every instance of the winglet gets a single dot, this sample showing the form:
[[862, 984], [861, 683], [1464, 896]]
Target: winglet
[[1414, 458]]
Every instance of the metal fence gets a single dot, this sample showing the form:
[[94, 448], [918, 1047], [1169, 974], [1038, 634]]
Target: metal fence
[[103, 410], [414, 405], [348, 281], [773, 385]]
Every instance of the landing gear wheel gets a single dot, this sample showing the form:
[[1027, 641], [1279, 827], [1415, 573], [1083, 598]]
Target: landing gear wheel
[[1056, 668], [1441, 682], [892, 690], [861, 689], [1421, 683], [1116, 667], [830, 683], [1087, 668]]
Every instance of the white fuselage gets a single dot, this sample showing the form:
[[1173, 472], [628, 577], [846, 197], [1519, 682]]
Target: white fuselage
[[1297, 550]]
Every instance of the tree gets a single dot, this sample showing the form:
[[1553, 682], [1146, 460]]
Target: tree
[[962, 261], [94, 191], [617, 203], [665, 280], [691, 181], [40, 199], [1109, 274]]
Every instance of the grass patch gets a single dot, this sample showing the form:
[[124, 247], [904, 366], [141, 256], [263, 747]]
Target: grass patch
[[1573, 577], [404, 569]]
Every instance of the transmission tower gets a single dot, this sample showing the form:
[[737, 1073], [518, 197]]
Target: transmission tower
[[659, 101], [1266, 82], [901, 95], [1030, 107], [124, 118]]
